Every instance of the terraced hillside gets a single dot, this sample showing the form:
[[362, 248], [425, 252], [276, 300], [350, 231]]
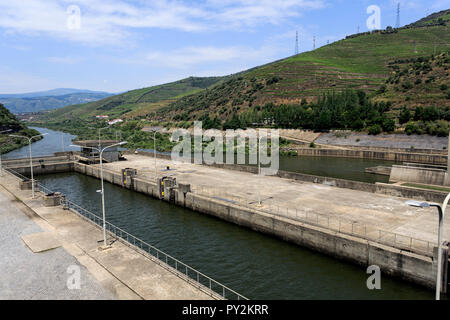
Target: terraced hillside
[[415, 82], [359, 62]]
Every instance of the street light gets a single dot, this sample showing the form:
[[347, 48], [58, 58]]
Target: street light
[[31, 157], [441, 211], [101, 178], [154, 152], [1, 171]]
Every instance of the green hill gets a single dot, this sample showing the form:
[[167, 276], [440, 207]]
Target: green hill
[[132, 104], [382, 67], [359, 62], [9, 122]]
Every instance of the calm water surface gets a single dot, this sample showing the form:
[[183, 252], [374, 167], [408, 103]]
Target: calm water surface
[[253, 264]]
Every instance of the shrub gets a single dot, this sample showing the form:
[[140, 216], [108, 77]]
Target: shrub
[[405, 116], [407, 85], [375, 129], [388, 125], [430, 114], [444, 87], [412, 128]]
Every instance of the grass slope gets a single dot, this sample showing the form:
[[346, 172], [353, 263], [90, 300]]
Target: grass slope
[[133, 103]]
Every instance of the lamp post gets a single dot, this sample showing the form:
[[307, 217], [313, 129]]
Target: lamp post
[[101, 178], [441, 211], [154, 153], [31, 157], [99, 135], [1, 171]]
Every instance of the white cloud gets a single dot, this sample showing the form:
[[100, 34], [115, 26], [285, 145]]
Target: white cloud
[[64, 60], [111, 21], [187, 57], [441, 5]]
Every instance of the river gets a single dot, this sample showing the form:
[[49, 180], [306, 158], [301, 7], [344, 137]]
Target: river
[[253, 264], [342, 168]]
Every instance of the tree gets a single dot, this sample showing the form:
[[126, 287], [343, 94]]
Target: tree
[[375, 129], [405, 116], [388, 125], [418, 114]]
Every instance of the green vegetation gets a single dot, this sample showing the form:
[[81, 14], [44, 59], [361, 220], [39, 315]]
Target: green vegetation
[[421, 81], [9, 122], [135, 104]]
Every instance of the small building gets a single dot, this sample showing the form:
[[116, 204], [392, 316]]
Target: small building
[[90, 153], [113, 122]]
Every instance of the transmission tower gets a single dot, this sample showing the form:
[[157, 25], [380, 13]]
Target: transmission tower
[[397, 25], [296, 43], [314, 42]]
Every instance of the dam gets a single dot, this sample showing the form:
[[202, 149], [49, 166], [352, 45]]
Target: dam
[[402, 235], [254, 264]]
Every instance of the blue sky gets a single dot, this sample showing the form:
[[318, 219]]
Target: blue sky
[[119, 45]]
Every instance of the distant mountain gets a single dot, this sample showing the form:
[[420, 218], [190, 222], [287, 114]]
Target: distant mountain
[[134, 103], [46, 100], [49, 93]]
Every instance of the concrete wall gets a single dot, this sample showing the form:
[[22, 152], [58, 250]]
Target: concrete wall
[[44, 169], [418, 175], [408, 266], [375, 155], [36, 160]]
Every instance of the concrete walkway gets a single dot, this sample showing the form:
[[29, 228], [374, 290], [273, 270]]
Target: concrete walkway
[[44, 275], [116, 273]]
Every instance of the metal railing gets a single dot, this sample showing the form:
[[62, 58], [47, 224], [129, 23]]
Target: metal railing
[[182, 270], [345, 226]]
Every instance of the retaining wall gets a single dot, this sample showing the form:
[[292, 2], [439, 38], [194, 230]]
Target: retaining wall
[[419, 175], [375, 155], [43, 169]]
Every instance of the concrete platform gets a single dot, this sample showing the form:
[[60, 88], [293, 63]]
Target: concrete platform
[[118, 273], [42, 241], [377, 211]]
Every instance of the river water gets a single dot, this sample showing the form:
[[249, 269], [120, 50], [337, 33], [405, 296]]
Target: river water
[[253, 264]]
